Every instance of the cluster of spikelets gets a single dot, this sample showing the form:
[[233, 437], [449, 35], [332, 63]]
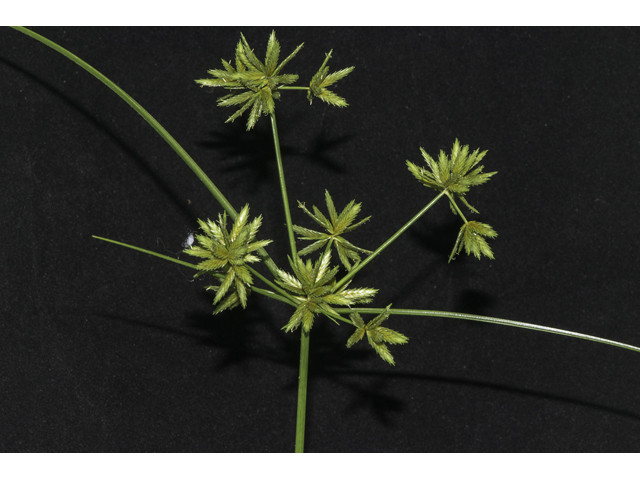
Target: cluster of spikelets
[[376, 335], [314, 283], [323, 79], [312, 286], [455, 174], [260, 81], [335, 226], [229, 252]]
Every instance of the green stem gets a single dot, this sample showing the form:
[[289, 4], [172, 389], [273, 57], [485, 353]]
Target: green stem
[[302, 391], [497, 321], [156, 126], [285, 298], [144, 114], [281, 291], [159, 255], [302, 379], [335, 317], [273, 296], [455, 205], [283, 186], [293, 88], [357, 268]]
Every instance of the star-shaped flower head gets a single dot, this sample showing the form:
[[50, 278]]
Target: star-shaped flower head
[[336, 225], [455, 173], [376, 334], [229, 252], [323, 79], [471, 237], [260, 81], [311, 283]]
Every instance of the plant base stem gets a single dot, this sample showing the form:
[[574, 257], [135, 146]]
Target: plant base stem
[[302, 391]]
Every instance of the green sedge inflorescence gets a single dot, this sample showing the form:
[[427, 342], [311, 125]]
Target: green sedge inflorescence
[[312, 286], [455, 174]]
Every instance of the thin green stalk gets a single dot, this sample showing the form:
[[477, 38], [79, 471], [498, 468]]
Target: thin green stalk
[[283, 186], [455, 205], [497, 321], [159, 255], [292, 88], [157, 127], [302, 391], [281, 291], [273, 296], [357, 268], [144, 114], [286, 298], [303, 376], [333, 317]]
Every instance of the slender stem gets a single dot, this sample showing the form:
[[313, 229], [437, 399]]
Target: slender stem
[[498, 321], [159, 255], [302, 391], [357, 268], [281, 291], [273, 296], [283, 186], [285, 298], [303, 376], [455, 205], [157, 127], [144, 114], [293, 88], [333, 317]]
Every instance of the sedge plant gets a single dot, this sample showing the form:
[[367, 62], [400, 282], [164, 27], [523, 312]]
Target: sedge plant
[[322, 262]]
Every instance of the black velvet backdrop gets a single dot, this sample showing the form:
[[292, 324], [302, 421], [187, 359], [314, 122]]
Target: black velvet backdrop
[[107, 349]]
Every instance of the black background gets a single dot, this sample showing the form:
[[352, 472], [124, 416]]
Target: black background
[[107, 349]]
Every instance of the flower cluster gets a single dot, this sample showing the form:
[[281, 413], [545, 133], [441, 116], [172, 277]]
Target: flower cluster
[[312, 284], [230, 252], [323, 79], [335, 226], [376, 334], [260, 81], [454, 175], [471, 237]]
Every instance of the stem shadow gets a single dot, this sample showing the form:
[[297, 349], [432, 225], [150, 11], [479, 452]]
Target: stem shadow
[[251, 154], [331, 360], [129, 151]]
